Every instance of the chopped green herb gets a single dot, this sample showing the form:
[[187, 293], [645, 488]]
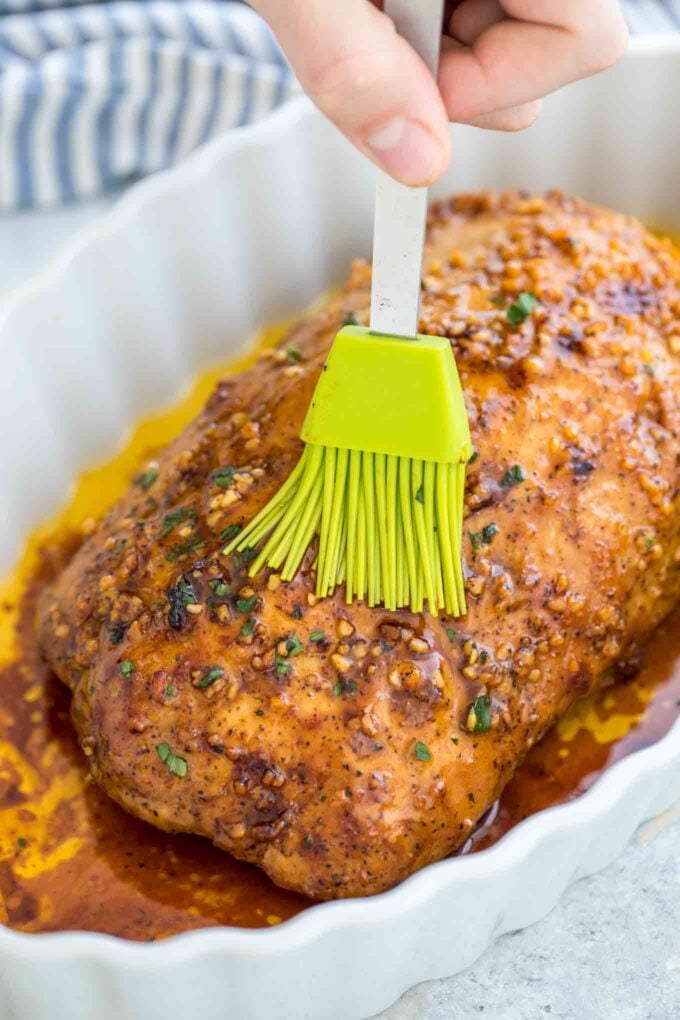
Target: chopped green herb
[[169, 691], [451, 634], [181, 594], [307, 842], [454, 740], [259, 711], [117, 633], [420, 495], [481, 709], [146, 480], [248, 627], [520, 309], [316, 636], [283, 666], [488, 532], [210, 677], [422, 751], [174, 518], [648, 369], [485, 535], [293, 355], [22, 842], [473, 456], [186, 592], [126, 668], [179, 597], [242, 557], [177, 765], [223, 477], [513, 476], [246, 605], [483, 656], [498, 300], [230, 533], [297, 613], [293, 645], [219, 587], [351, 319], [649, 542], [192, 545], [344, 686]]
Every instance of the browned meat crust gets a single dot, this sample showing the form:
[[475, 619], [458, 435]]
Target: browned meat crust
[[339, 747]]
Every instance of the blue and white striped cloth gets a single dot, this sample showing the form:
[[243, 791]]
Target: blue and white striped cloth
[[652, 15], [96, 94]]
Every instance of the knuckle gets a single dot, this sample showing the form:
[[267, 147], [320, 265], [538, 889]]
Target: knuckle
[[515, 118], [607, 45], [518, 118], [354, 78], [526, 116]]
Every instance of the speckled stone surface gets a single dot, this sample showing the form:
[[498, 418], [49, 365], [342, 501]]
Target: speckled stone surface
[[610, 950]]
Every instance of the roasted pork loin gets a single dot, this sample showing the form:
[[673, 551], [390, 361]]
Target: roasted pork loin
[[341, 748]]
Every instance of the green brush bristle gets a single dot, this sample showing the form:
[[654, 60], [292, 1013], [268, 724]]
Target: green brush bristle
[[398, 557], [380, 481]]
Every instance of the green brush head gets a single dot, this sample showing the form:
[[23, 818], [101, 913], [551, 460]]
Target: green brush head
[[381, 479], [384, 394]]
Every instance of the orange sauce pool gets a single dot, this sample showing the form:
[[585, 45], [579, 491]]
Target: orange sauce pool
[[71, 859]]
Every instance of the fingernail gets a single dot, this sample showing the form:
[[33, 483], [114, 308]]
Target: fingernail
[[408, 151]]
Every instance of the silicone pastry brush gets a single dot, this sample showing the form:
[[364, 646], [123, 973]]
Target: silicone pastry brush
[[382, 474]]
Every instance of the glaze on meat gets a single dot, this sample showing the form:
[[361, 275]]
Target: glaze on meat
[[339, 747]]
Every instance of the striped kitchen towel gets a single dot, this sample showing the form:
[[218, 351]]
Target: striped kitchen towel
[[95, 94]]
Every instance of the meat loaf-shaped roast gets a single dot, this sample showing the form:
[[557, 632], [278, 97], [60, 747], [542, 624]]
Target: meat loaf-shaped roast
[[341, 748]]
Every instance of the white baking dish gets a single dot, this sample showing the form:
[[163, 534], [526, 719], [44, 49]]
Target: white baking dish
[[186, 267]]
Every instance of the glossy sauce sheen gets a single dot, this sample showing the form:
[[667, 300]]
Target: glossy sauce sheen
[[71, 859]]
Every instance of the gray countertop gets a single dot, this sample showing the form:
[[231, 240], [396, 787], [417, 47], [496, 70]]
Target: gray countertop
[[610, 950]]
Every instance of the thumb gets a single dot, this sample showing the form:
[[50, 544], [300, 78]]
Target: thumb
[[367, 80]]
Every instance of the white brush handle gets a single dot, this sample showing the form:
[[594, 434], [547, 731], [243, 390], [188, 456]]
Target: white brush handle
[[400, 212]]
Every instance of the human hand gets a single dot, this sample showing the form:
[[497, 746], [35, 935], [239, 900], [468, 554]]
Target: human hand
[[499, 58]]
